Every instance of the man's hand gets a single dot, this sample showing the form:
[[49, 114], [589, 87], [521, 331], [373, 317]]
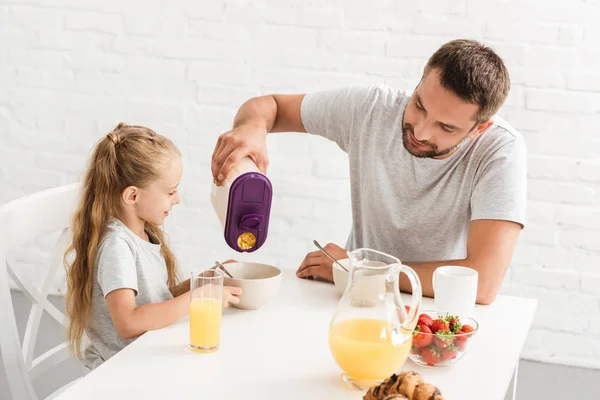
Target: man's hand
[[232, 146], [317, 264]]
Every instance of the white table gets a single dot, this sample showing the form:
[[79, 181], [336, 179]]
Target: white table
[[281, 352]]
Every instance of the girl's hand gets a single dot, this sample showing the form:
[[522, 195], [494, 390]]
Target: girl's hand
[[230, 295]]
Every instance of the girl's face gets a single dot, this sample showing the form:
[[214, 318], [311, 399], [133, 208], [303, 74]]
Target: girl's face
[[156, 200]]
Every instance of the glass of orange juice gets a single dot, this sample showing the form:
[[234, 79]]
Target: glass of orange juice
[[206, 293]]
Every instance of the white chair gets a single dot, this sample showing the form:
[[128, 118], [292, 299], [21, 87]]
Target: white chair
[[22, 221]]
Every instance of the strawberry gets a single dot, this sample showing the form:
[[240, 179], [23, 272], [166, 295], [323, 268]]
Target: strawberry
[[415, 350], [425, 320], [449, 353], [431, 356], [443, 339], [461, 341], [454, 324], [468, 329], [439, 325], [422, 336]]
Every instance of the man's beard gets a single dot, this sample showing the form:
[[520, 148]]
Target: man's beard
[[433, 150]]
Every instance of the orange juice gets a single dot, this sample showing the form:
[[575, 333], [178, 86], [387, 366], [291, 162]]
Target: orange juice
[[364, 350], [205, 324]]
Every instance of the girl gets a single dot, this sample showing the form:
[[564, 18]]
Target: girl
[[122, 280]]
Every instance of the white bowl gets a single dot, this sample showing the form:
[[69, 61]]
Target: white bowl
[[340, 277], [260, 283]]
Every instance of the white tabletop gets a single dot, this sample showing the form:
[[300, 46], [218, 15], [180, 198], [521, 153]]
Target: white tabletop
[[281, 352]]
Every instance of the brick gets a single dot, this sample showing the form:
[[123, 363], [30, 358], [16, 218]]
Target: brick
[[145, 45], [44, 18], [545, 78], [271, 80], [586, 239], [584, 82], [313, 188], [521, 31], [217, 118], [256, 13], [448, 26], [280, 15], [589, 171], [413, 46], [437, 7], [333, 169], [61, 162], [82, 20], [570, 35], [383, 66], [143, 24], [556, 257], [64, 40], [223, 74], [546, 278], [577, 216], [291, 207], [91, 82], [154, 67], [516, 97], [320, 18], [591, 36], [46, 59], [220, 30], [590, 283], [543, 234], [563, 101], [525, 254], [317, 59], [95, 60], [288, 37], [230, 96], [543, 167], [369, 20], [578, 345], [558, 192], [542, 56], [32, 180], [587, 261], [512, 54], [209, 10], [573, 146]]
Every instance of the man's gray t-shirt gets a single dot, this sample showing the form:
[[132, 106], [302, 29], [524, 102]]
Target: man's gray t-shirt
[[417, 209], [127, 261]]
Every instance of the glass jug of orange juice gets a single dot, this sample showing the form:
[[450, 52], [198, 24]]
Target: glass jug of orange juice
[[370, 334]]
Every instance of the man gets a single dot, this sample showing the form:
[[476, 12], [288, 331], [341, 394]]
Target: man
[[436, 178]]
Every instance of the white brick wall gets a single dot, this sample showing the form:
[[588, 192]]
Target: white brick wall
[[70, 70]]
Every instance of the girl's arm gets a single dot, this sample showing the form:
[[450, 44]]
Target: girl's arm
[[131, 321]]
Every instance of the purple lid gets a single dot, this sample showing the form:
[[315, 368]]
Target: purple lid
[[248, 210]]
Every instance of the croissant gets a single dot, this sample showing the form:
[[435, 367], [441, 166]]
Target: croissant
[[406, 385]]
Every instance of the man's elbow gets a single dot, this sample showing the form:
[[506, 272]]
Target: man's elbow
[[486, 295]]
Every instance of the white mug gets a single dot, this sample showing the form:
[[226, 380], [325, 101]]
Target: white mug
[[455, 290]]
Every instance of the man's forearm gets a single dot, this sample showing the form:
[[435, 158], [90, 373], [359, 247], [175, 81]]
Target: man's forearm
[[487, 286], [258, 111]]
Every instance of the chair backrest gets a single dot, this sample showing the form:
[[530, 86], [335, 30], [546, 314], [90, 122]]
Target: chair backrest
[[22, 221]]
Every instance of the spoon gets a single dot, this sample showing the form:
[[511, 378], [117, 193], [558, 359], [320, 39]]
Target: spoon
[[329, 255], [224, 269]]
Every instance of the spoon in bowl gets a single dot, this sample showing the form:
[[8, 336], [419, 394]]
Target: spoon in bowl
[[329, 255], [218, 264]]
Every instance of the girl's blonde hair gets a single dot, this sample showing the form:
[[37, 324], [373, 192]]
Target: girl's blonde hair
[[127, 156]]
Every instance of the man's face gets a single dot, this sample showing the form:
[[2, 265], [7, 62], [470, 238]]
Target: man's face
[[436, 122]]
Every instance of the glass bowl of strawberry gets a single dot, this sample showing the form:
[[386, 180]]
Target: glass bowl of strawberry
[[440, 339]]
